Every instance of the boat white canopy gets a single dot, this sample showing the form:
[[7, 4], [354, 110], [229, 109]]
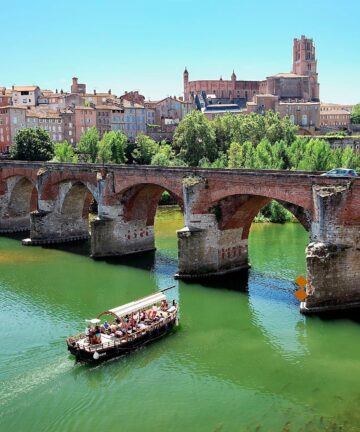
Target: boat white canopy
[[136, 305]]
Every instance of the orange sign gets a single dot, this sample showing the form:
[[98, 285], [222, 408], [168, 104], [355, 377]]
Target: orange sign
[[300, 295], [301, 281]]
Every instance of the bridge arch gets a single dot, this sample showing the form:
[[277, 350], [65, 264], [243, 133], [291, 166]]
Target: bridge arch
[[141, 201], [22, 197], [239, 211], [75, 199]]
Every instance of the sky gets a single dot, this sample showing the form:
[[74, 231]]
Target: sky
[[145, 44]]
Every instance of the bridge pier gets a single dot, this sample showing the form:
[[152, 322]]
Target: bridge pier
[[62, 215], [115, 237], [204, 249], [333, 256], [48, 227]]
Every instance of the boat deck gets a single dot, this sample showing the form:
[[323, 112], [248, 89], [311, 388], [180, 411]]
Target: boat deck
[[111, 341]]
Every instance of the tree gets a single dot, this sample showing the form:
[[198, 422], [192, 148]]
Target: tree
[[104, 151], [113, 147], [89, 143], [336, 158], [355, 115], [64, 152], [263, 155], [295, 152], [145, 149], [224, 127], [350, 159], [317, 156], [32, 145], [241, 155], [194, 139]]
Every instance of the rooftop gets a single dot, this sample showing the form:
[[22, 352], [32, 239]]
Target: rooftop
[[25, 88]]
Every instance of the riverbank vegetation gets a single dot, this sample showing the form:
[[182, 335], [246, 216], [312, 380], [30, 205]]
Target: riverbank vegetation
[[244, 141]]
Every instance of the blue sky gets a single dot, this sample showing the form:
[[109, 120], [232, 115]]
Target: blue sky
[[145, 44]]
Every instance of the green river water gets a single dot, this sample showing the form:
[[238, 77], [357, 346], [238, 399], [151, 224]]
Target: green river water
[[243, 359]]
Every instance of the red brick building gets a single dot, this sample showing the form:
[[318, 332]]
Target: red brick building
[[85, 118]]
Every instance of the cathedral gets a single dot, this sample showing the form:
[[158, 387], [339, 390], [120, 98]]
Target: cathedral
[[301, 84]]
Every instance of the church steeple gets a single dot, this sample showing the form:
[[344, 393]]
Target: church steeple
[[186, 82], [233, 76]]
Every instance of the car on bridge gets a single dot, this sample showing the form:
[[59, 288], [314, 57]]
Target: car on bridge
[[340, 172]]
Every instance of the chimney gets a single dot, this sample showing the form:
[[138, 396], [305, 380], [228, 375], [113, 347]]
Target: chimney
[[13, 87], [94, 92], [56, 91], [109, 91]]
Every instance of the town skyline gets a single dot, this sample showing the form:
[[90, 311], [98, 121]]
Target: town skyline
[[117, 55]]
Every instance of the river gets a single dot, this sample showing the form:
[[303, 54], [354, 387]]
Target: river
[[244, 359]]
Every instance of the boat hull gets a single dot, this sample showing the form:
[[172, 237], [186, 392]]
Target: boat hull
[[107, 353]]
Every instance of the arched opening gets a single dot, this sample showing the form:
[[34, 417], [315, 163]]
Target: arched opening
[[153, 214], [23, 199], [78, 207], [247, 234]]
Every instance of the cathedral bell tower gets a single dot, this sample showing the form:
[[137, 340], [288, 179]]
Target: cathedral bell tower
[[305, 63], [186, 82]]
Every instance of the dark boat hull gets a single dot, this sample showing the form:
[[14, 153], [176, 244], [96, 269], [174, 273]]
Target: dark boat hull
[[82, 355]]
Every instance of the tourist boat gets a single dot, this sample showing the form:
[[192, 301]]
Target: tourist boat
[[134, 325]]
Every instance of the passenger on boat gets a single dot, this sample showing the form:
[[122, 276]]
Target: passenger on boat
[[88, 330], [142, 316], [164, 305], [106, 325], [113, 328], [97, 335], [152, 314]]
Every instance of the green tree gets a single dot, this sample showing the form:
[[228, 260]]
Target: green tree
[[336, 158], [32, 145], [145, 149], [296, 151], [164, 156], [350, 159], [194, 139], [104, 153], [224, 127], [355, 115], [115, 143], [89, 144], [64, 152], [263, 155], [317, 156], [279, 129]]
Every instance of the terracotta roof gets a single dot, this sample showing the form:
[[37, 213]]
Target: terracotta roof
[[128, 104], [109, 107], [83, 108], [25, 88], [43, 114], [14, 107]]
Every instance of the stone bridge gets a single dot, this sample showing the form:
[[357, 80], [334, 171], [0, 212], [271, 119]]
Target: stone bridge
[[52, 201]]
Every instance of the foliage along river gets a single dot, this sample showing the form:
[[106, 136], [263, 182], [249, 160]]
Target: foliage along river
[[241, 361]]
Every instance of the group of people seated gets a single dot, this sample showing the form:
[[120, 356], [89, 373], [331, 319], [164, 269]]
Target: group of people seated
[[129, 324]]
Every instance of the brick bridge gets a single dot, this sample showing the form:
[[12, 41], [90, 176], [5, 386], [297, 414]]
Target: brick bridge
[[52, 200]]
